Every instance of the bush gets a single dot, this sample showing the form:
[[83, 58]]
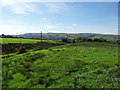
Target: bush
[[78, 39], [19, 81], [21, 50], [65, 40], [100, 40], [73, 41]]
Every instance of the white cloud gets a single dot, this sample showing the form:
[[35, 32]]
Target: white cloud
[[9, 2], [19, 6], [72, 26], [22, 8], [99, 29], [16, 1], [25, 7], [19, 29], [14, 29], [44, 31], [69, 27], [57, 7], [44, 18], [50, 26], [49, 31], [3, 27]]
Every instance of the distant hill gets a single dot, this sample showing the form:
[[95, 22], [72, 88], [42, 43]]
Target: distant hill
[[58, 36]]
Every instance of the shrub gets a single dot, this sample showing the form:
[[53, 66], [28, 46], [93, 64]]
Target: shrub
[[100, 40], [19, 81], [73, 41], [78, 39], [21, 50], [65, 40]]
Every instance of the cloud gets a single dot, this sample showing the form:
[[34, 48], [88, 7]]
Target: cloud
[[57, 7], [3, 27], [72, 26], [19, 6], [9, 2], [23, 8], [44, 31], [26, 6], [18, 1], [20, 29], [99, 29], [52, 31], [50, 26], [44, 18], [11, 29], [69, 27], [14, 29]]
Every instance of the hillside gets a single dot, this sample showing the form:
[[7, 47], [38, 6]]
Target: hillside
[[75, 65], [58, 36]]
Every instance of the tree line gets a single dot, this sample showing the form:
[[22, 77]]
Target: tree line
[[8, 36], [82, 39]]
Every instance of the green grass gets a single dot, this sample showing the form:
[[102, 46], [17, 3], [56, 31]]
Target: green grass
[[20, 40], [78, 65], [86, 52]]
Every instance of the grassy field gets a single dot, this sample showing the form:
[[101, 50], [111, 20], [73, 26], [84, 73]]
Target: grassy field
[[75, 65], [20, 40]]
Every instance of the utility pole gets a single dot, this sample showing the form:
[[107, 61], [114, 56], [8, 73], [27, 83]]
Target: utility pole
[[41, 36], [41, 39], [20, 40]]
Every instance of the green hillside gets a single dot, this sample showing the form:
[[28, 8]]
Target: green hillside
[[75, 65], [58, 36]]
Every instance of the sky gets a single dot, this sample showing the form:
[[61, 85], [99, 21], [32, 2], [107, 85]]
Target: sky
[[19, 17]]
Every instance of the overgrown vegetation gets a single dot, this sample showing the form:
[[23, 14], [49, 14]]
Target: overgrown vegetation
[[12, 45], [21, 50], [77, 64]]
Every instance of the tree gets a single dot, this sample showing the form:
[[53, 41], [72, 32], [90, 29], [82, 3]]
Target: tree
[[73, 41], [65, 40], [78, 39], [2, 35]]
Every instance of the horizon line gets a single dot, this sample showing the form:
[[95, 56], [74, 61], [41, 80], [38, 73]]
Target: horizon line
[[65, 33]]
